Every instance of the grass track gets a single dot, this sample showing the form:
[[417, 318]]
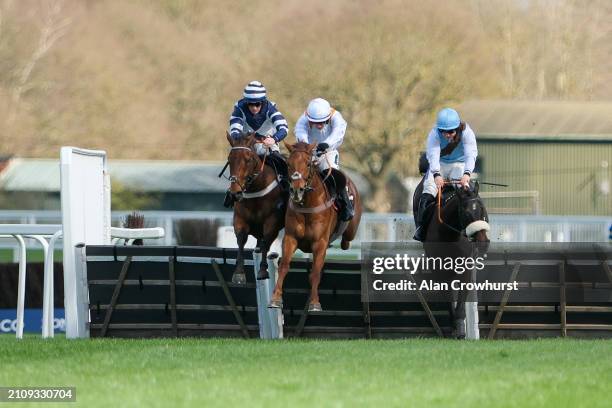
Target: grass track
[[251, 373]]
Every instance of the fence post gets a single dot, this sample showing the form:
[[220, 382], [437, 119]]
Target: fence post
[[471, 313], [262, 299], [275, 316]]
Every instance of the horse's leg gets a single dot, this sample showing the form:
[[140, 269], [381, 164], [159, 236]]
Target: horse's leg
[[459, 312], [319, 248], [289, 247], [239, 276], [269, 235]]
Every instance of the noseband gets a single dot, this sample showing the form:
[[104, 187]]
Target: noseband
[[460, 211], [299, 176], [252, 177]]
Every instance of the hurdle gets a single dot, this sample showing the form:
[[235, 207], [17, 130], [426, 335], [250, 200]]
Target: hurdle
[[86, 219]]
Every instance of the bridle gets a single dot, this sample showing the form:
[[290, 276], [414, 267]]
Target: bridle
[[460, 210], [296, 175], [250, 179]]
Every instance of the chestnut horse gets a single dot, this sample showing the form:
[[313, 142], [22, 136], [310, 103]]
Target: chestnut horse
[[259, 208], [311, 220]]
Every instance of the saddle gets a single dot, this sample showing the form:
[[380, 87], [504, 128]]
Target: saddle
[[335, 182], [279, 164], [448, 192]]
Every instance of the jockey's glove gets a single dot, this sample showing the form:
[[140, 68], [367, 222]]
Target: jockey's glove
[[322, 147]]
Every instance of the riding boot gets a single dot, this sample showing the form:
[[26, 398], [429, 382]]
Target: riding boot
[[424, 202], [281, 171], [228, 202], [347, 212]]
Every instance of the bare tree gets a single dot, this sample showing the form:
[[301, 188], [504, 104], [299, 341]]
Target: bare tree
[[53, 26]]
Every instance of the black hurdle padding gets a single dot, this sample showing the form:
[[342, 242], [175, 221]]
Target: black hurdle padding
[[343, 310], [144, 303]]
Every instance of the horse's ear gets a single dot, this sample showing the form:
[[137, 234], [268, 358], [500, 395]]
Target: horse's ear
[[251, 139], [476, 187], [230, 139], [311, 147], [289, 147]]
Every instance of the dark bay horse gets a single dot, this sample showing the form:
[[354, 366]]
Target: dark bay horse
[[311, 220], [458, 228], [259, 208]]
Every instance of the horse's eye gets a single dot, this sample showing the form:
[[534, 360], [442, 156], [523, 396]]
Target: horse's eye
[[249, 178]]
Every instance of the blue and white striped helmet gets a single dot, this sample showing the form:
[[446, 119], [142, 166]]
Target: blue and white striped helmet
[[254, 92]]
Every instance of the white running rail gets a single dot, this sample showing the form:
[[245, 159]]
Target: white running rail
[[86, 219]]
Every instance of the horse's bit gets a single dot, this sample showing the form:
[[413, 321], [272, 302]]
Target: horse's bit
[[250, 179]]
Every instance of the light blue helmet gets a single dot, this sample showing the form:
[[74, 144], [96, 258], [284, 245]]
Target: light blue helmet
[[254, 92], [448, 119]]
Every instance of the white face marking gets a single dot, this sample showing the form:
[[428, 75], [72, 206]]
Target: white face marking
[[296, 176], [473, 206]]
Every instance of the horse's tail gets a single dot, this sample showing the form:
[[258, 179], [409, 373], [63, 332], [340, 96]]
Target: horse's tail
[[351, 230]]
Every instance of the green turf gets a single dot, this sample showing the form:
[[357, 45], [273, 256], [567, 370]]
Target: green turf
[[289, 373]]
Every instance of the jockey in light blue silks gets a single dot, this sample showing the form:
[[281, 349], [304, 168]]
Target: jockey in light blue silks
[[255, 113], [457, 165], [325, 126]]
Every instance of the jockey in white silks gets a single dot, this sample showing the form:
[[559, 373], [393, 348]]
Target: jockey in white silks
[[325, 126], [457, 165], [255, 113]]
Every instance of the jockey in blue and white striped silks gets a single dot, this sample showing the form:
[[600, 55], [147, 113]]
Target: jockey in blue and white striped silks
[[255, 113]]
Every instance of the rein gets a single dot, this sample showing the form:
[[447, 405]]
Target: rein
[[439, 205], [460, 210], [254, 176], [296, 176]]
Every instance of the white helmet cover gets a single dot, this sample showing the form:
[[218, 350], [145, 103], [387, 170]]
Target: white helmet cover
[[319, 110]]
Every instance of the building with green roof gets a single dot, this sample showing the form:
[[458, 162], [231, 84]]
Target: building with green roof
[[34, 184], [556, 156]]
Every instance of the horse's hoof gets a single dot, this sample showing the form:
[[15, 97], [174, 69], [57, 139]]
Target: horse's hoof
[[275, 304], [459, 331], [262, 274], [315, 307], [239, 278]]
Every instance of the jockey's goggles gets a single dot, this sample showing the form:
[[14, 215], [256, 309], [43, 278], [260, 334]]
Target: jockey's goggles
[[259, 103], [448, 131], [325, 122]]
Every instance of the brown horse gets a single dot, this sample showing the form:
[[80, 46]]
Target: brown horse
[[311, 220], [259, 208]]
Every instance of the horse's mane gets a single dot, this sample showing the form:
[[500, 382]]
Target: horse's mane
[[301, 147], [243, 138]]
